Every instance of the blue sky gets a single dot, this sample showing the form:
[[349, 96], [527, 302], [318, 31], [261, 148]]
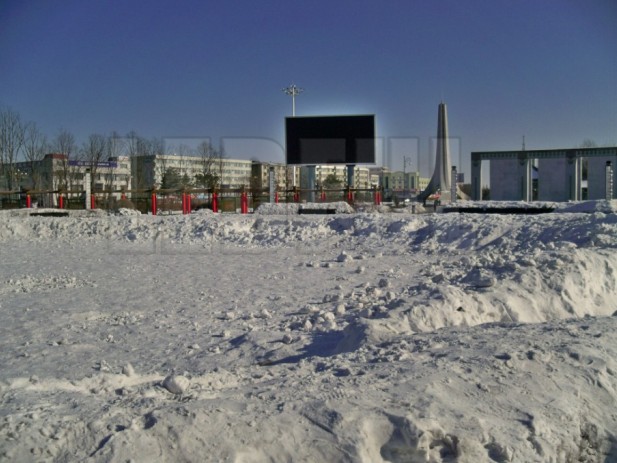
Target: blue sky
[[182, 70]]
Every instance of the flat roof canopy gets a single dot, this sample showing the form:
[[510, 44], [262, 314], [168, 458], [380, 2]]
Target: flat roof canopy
[[545, 154]]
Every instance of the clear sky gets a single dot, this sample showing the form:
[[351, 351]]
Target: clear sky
[[546, 69]]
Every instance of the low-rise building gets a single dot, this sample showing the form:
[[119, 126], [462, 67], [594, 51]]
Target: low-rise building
[[401, 183], [57, 173]]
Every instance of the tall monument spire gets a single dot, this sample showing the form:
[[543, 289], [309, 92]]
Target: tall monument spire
[[440, 181]]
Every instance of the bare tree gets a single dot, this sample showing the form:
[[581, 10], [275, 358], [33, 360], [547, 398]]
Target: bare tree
[[64, 144], [153, 147], [184, 151], [11, 143], [114, 149], [588, 143], [93, 152], [220, 164], [211, 165], [132, 143], [35, 148]]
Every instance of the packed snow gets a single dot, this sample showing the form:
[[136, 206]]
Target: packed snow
[[377, 335]]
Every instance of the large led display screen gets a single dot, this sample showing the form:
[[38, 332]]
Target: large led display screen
[[330, 139]]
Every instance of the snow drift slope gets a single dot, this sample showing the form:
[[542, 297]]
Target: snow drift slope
[[363, 337]]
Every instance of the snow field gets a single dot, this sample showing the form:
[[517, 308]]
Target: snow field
[[358, 337]]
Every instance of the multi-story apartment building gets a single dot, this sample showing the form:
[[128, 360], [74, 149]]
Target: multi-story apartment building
[[150, 171], [327, 172]]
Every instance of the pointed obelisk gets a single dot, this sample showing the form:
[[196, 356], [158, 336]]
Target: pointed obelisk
[[440, 181]]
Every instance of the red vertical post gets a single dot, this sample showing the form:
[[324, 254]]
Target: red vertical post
[[323, 196], [296, 196], [154, 203], [92, 201], [276, 197], [188, 203], [28, 201], [349, 196], [244, 203], [61, 201], [215, 202]]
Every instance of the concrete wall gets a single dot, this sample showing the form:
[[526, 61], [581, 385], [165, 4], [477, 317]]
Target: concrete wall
[[596, 177], [553, 179], [506, 179]]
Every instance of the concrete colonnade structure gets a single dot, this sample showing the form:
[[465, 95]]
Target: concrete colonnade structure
[[560, 173]]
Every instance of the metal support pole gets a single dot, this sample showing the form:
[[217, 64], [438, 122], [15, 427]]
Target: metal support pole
[[609, 181], [453, 179]]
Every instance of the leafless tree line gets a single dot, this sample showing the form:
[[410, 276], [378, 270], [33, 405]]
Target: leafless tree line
[[23, 142]]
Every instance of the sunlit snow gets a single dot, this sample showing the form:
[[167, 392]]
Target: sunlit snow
[[356, 337]]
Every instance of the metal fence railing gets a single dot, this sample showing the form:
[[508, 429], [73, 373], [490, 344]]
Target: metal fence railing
[[154, 201]]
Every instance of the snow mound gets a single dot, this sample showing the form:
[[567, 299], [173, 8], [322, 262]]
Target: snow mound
[[340, 207], [126, 211], [349, 337]]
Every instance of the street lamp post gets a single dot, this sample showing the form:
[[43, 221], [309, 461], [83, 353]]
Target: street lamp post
[[293, 90]]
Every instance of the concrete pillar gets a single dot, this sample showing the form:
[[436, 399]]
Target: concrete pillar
[[527, 185], [573, 173], [476, 180], [350, 176], [271, 184], [311, 183], [87, 188]]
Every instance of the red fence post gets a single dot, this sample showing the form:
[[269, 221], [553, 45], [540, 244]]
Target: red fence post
[[28, 201], [188, 203], [215, 203], [349, 196], [61, 201], [154, 203], [92, 201], [323, 196], [296, 195], [244, 208], [276, 197]]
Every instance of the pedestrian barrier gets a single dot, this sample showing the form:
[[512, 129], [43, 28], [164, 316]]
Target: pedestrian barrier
[[183, 201]]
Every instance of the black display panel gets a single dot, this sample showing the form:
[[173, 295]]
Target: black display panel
[[330, 139]]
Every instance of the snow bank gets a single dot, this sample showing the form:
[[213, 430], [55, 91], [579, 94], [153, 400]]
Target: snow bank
[[295, 208], [281, 337], [604, 206]]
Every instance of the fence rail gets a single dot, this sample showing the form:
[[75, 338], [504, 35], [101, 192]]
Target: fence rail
[[185, 200]]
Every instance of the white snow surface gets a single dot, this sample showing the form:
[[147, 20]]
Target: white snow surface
[[277, 337]]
